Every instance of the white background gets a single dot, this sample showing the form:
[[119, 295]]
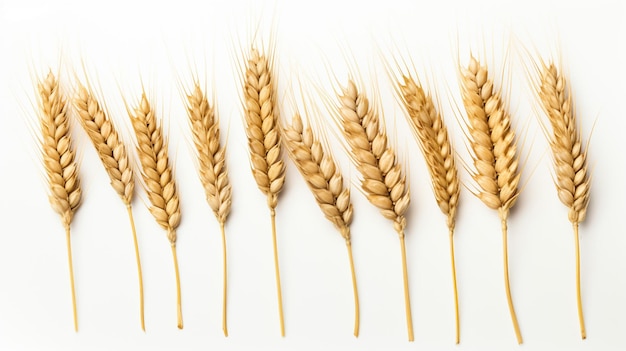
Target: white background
[[123, 42]]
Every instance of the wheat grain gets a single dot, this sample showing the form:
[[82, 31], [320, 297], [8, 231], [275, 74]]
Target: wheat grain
[[114, 156], [569, 157], [158, 178], [211, 167], [382, 178], [263, 132], [319, 170], [494, 153], [432, 136], [59, 162]]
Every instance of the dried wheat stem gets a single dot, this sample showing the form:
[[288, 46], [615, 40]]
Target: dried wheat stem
[[494, 151], [319, 170], [383, 181], [211, 168], [432, 136], [225, 281], [509, 299], [263, 132], [569, 157], [158, 178], [114, 156], [59, 163]]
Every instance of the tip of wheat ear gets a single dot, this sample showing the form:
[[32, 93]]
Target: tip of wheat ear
[[491, 138], [382, 178], [432, 136], [262, 129], [211, 155], [156, 170], [569, 156], [110, 148], [58, 155], [319, 170]]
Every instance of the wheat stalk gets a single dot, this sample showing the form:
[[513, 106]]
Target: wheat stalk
[[569, 157], [114, 157], [158, 179], [211, 168], [494, 153], [319, 170], [432, 136], [59, 162], [383, 181], [263, 132]]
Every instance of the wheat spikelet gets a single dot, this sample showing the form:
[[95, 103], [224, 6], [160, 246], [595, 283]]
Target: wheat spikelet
[[212, 167], [382, 180], [319, 170], [158, 178], [569, 157], [59, 162], [114, 157], [263, 132], [494, 152], [432, 136]]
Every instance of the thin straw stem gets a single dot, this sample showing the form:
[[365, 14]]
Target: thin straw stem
[[137, 257], [179, 308], [277, 272], [581, 318], [505, 253], [225, 277], [71, 265], [354, 288], [407, 298], [454, 286]]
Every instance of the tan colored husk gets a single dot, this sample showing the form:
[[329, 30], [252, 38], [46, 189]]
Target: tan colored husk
[[432, 136], [211, 168], [382, 178], [319, 170], [110, 148], [156, 171], [60, 164], [569, 157], [58, 156], [494, 154]]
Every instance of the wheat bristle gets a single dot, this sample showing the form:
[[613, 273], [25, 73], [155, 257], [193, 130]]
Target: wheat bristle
[[432, 137], [58, 155], [111, 150], [156, 171], [319, 170], [569, 156], [262, 128], [211, 154]]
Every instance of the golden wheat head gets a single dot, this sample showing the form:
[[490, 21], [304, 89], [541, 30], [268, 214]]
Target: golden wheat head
[[110, 148], [491, 138], [58, 156], [319, 170], [262, 128], [211, 155], [569, 154], [382, 178], [156, 171], [432, 136]]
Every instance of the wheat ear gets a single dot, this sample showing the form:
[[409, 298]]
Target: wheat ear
[[158, 179], [319, 170], [569, 156], [263, 131], [494, 153], [59, 162], [432, 136], [211, 168], [114, 157], [383, 181]]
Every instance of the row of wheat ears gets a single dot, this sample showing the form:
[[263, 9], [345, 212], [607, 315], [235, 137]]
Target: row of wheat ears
[[383, 181]]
